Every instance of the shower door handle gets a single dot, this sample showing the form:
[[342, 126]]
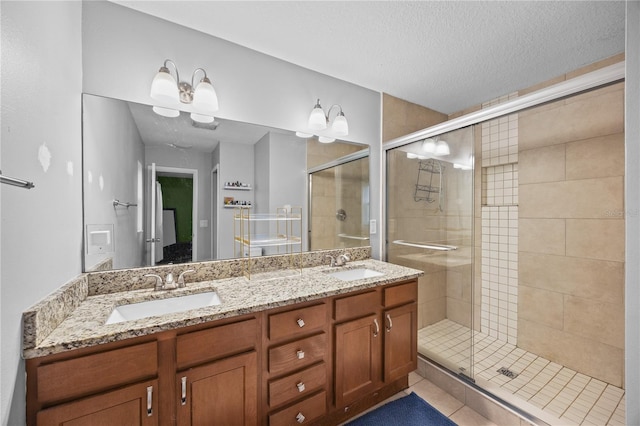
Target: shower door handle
[[429, 246]]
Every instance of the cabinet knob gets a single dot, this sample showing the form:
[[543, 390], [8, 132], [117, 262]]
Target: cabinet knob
[[300, 418], [300, 387], [300, 322], [300, 354]]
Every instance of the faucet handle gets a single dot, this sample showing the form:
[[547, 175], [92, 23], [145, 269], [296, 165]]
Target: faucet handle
[[333, 260], [159, 285], [181, 282]]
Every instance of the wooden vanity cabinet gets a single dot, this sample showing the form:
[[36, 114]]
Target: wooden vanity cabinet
[[375, 345], [296, 362]]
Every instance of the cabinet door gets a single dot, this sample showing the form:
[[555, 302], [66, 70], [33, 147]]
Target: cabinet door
[[400, 342], [221, 393], [133, 405], [358, 346]]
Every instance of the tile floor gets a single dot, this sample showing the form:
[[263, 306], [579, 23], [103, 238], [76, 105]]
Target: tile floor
[[554, 393], [441, 401]]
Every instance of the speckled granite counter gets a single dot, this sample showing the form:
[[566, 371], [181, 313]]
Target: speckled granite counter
[[84, 325]]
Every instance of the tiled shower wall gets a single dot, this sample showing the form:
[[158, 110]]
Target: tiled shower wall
[[499, 213]]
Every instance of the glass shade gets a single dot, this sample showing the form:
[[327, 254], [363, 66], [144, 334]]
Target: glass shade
[[429, 146], [164, 87], [325, 139], [204, 97], [166, 112], [442, 148], [303, 135], [201, 118], [317, 120], [340, 127]]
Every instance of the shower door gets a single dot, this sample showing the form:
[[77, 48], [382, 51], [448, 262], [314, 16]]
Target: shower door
[[429, 199], [339, 205]]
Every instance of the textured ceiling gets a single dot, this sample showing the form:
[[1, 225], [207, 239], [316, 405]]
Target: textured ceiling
[[445, 55]]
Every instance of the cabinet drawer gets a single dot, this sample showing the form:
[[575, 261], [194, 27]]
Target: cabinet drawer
[[399, 294], [298, 354], [296, 385], [296, 322], [305, 411], [356, 306], [92, 373], [217, 342]]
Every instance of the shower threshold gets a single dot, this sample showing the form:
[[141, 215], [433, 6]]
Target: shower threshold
[[554, 393]]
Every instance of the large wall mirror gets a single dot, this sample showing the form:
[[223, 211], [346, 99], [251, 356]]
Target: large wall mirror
[[160, 190]]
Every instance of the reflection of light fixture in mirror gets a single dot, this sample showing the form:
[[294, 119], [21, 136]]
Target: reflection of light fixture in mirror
[[429, 146], [303, 135], [318, 120], [412, 156], [442, 148], [325, 139], [168, 91]]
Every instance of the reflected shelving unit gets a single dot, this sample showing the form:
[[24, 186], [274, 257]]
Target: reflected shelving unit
[[275, 233]]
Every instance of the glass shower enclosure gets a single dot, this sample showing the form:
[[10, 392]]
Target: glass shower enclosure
[[430, 227]]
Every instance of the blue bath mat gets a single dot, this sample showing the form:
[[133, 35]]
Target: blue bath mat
[[410, 410]]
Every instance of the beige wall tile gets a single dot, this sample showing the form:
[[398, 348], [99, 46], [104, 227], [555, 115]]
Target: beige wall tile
[[596, 65], [585, 117], [603, 322], [546, 164], [400, 117], [541, 306], [541, 236], [586, 198], [599, 360], [596, 238], [431, 312], [597, 157], [598, 280], [459, 311]]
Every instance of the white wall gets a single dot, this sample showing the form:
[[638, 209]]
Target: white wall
[[632, 204], [41, 229], [236, 164], [112, 161]]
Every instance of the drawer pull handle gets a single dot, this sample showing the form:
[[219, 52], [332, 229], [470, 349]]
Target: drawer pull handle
[[300, 322], [390, 326], [183, 398], [375, 322], [149, 401], [300, 354], [301, 387], [300, 418]]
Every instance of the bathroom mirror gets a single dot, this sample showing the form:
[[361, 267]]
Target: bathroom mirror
[[184, 180]]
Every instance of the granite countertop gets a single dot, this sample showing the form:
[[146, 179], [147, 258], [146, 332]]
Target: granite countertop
[[85, 325]]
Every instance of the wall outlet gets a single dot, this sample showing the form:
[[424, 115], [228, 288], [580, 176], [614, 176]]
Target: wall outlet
[[373, 227], [204, 223]]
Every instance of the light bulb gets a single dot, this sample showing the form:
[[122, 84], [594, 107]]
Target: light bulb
[[164, 87]]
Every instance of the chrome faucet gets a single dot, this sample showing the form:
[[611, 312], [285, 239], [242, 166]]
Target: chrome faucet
[[170, 283], [342, 259]]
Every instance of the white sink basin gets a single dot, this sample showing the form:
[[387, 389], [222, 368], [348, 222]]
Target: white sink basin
[[355, 274], [170, 305]]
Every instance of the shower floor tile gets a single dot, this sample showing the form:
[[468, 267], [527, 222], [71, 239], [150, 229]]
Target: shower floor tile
[[561, 393]]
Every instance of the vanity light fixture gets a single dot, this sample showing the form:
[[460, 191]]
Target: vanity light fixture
[[326, 139], [435, 146], [318, 120], [168, 91]]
